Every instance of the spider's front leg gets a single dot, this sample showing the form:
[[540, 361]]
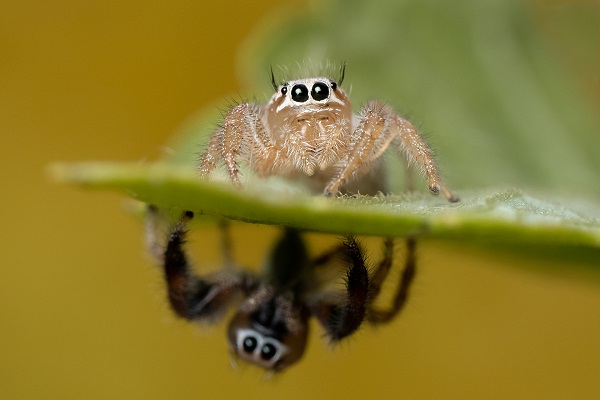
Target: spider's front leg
[[379, 127], [408, 141], [193, 297], [360, 150], [241, 135], [341, 319]]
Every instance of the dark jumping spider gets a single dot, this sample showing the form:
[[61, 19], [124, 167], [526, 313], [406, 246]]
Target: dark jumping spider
[[308, 129], [270, 325]]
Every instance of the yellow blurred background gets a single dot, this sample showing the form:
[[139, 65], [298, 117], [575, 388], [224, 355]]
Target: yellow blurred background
[[82, 308]]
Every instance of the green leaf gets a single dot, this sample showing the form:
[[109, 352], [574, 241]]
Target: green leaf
[[510, 217]]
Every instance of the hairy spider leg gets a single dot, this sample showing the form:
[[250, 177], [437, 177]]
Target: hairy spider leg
[[362, 151], [379, 316], [242, 133], [190, 296], [341, 319], [379, 125]]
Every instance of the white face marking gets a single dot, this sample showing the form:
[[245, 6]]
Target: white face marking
[[258, 349], [294, 89]]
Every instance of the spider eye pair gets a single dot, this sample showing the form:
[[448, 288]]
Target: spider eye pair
[[252, 343], [267, 351], [319, 92]]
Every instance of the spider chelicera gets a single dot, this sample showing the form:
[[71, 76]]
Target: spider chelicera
[[308, 130], [270, 325]]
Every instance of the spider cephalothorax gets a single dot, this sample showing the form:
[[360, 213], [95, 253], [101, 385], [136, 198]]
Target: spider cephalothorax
[[308, 128], [270, 325]]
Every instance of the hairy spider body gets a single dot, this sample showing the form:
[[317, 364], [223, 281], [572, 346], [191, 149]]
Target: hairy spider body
[[270, 325], [308, 128]]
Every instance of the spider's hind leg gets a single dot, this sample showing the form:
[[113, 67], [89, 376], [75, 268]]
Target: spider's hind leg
[[378, 316]]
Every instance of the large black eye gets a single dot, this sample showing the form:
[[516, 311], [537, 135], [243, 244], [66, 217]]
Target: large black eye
[[249, 344], [299, 93], [268, 351], [320, 91]]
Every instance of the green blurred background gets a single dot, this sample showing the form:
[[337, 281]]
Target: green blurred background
[[83, 310]]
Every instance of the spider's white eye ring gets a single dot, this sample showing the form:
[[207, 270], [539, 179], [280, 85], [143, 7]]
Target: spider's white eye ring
[[300, 93], [320, 91]]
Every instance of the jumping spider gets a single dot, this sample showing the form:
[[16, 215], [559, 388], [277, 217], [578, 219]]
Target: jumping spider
[[270, 325], [308, 129]]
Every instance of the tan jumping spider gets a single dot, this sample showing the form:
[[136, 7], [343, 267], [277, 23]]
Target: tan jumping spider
[[272, 309], [308, 128]]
